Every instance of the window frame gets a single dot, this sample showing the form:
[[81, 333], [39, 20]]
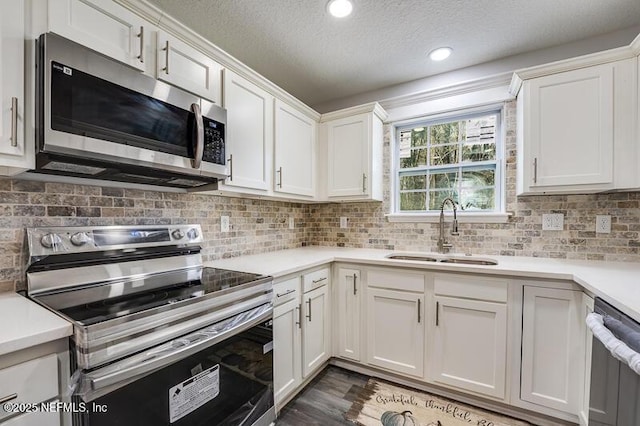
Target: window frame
[[498, 215]]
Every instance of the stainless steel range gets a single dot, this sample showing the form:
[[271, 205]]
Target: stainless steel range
[[158, 338]]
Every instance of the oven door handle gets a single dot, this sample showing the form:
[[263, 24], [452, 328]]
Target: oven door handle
[[617, 347], [173, 351]]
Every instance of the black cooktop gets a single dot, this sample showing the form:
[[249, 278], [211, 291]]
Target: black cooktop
[[211, 280]]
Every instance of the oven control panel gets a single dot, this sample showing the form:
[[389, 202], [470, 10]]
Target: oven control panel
[[58, 240]]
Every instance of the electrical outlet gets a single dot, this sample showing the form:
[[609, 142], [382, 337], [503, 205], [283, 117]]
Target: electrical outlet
[[553, 222], [224, 223], [603, 224], [343, 222], [292, 222]]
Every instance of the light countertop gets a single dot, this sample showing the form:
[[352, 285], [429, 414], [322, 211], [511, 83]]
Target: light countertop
[[618, 283], [25, 323]]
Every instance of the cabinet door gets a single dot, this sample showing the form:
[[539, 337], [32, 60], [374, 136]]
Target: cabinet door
[[569, 127], [287, 361], [12, 149], [35, 419], [249, 133], [553, 351], [185, 67], [103, 26], [470, 345], [348, 300], [348, 156], [295, 142], [315, 330], [395, 330]]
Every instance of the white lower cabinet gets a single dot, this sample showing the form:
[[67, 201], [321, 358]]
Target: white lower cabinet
[[348, 291], [552, 348], [35, 419], [395, 321], [301, 331], [468, 346]]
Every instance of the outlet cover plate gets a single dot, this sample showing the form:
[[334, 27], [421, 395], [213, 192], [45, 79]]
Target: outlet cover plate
[[343, 222], [603, 224], [224, 223], [553, 222], [292, 222]]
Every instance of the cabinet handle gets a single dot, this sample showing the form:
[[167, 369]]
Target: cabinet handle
[[230, 160], [437, 313], [319, 280], [309, 303], [141, 37], [279, 171], [285, 293], [364, 183], [14, 121], [166, 57], [535, 170], [419, 302], [355, 289], [8, 398], [299, 322]]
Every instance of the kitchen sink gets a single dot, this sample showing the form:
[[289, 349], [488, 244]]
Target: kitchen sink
[[464, 260], [412, 257]]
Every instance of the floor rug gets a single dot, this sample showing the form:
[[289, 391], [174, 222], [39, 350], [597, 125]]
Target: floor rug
[[381, 403]]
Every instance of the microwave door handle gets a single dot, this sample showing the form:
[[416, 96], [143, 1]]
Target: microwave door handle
[[198, 150], [175, 350]]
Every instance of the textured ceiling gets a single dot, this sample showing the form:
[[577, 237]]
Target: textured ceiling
[[318, 58]]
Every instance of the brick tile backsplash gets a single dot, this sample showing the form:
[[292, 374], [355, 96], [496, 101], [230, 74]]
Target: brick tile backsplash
[[261, 225]]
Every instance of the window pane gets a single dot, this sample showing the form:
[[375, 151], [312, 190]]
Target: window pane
[[413, 182], [475, 178], [446, 132], [415, 158], [478, 199], [446, 180], [478, 152], [437, 197], [419, 137], [443, 155], [413, 201]]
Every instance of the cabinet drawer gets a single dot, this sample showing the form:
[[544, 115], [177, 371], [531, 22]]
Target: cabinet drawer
[[285, 291], [32, 381], [396, 280], [477, 287], [35, 419], [316, 279]]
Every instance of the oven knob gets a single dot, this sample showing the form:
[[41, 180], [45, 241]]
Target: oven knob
[[50, 240], [177, 234], [79, 239], [192, 234]]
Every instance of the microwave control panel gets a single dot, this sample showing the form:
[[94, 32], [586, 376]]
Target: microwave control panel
[[213, 142]]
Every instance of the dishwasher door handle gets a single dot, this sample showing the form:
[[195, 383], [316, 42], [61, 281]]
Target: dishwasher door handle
[[617, 347]]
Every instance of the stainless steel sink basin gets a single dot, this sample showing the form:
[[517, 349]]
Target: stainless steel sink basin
[[412, 257], [464, 260], [470, 261]]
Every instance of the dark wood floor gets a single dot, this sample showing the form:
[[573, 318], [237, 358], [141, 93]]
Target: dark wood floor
[[325, 400]]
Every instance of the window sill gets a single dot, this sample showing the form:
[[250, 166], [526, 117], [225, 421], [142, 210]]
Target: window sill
[[463, 217]]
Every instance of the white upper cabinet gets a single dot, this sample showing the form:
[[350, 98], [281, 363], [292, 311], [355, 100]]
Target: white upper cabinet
[[295, 151], [13, 153], [185, 67], [105, 27], [249, 135], [575, 130], [352, 141]]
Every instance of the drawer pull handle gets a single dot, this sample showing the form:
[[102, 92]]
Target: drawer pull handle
[[141, 37], [279, 172], [419, 311], [437, 313], [309, 303], [285, 293], [319, 280], [166, 57], [299, 322], [535, 170], [355, 289], [14, 121], [230, 161], [8, 398]]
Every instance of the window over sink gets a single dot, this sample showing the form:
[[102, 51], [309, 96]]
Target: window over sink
[[459, 156]]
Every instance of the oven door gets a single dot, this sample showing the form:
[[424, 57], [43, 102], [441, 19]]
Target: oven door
[[222, 375]]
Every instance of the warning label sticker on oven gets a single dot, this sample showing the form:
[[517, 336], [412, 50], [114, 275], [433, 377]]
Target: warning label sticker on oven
[[193, 393]]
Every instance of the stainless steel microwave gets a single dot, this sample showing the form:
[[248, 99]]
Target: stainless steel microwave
[[100, 119]]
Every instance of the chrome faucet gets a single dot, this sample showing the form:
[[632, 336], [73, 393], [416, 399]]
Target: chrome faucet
[[443, 244]]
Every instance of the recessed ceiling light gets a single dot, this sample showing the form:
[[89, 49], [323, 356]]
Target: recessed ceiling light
[[340, 8], [440, 53]]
